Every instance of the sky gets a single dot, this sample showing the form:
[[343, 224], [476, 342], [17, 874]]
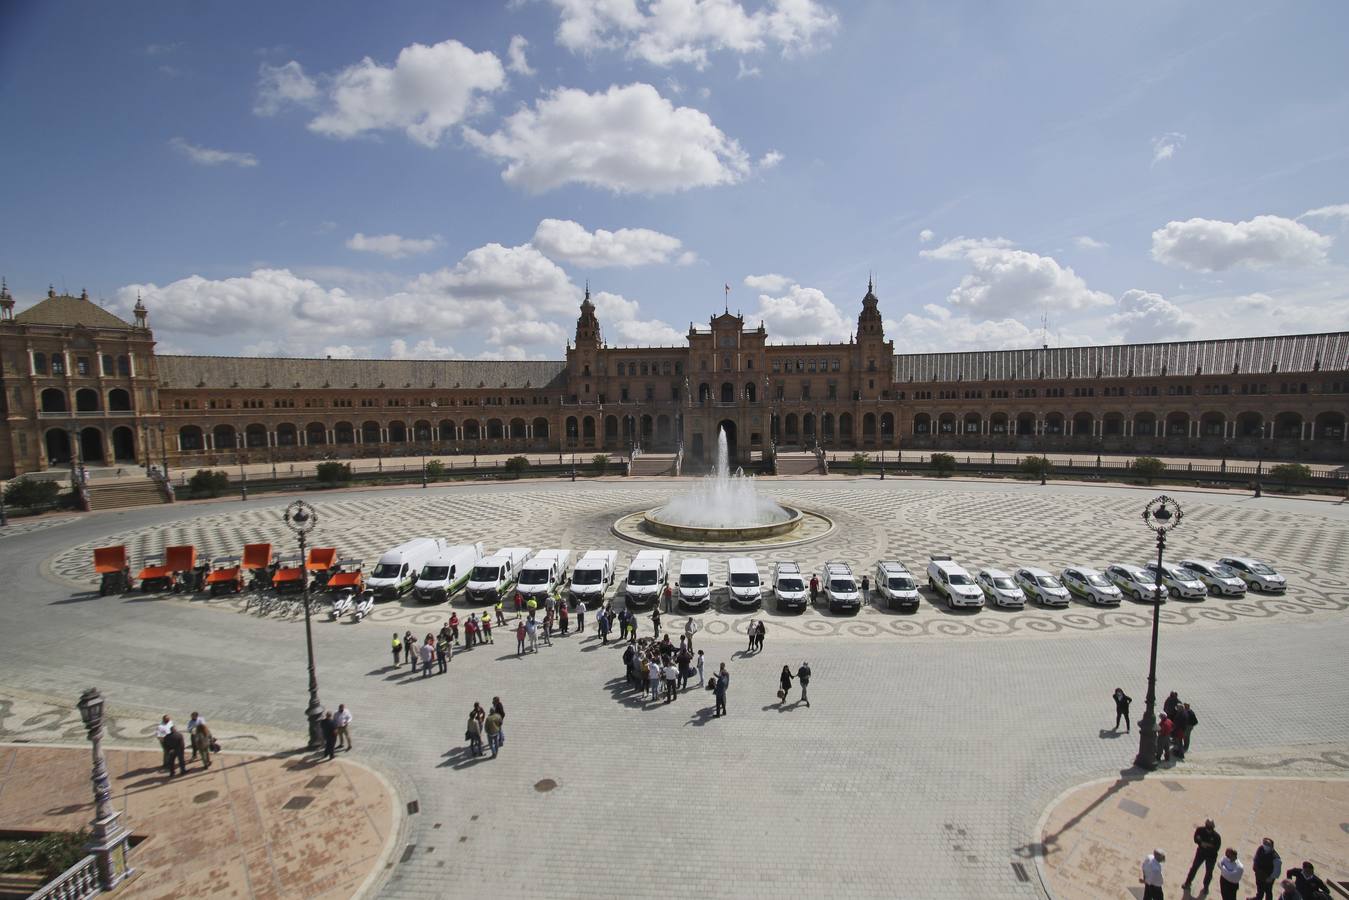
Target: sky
[[442, 180]]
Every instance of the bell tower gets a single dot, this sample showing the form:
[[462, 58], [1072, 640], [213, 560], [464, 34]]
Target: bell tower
[[587, 325], [869, 323]]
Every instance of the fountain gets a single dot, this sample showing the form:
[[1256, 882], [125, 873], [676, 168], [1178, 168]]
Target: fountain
[[722, 507]]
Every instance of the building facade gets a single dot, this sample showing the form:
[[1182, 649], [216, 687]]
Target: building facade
[[80, 382]]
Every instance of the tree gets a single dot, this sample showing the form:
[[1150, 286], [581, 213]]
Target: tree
[[334, 473], [1148, 467], [1290, 472], [434, 469], [600, 463], [516, 466], [859, 462], [30, 493], [208, 483], [944, 464], [1037, 467]]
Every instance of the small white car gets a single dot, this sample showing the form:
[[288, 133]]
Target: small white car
[[1136, 582], [1179, 582], [1256, 574], [947, 578], [1000, 589], [1216, 577], [1090, 585], [1042, 587]]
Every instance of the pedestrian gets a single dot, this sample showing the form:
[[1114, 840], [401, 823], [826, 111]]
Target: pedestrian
[[1230, 871], [473, 733], [486, 623], [866, 588], [442, 653], [602, 625], [1164, 728], [519, 604], [1289, 891], [532, 632], [192, 722], [655, 621], [175, 750], [548, 627], [684, 659], [1308, 883], [752, 632], [519, 637], [671, 674], [814, 588], [470, 632], [343, 723], [803, 676], [454, 626], [428, 654], [1122, 701], [700, 668], [669, 603], [494, 733], [1266, 866], [723, 683], [784, 685], [500, 709], [329, 729], [1178, 734], [653, 678], [397, 650], [1207, 843], [501, 613], [580, 617], [690, 629], [410, 650], [550, 602], [1171, 704], [758, 643], [1190, 719], [562, 616], [1152, 875], [201, 739]]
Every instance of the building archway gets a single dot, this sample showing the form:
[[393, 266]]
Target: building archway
[[343, 433], [123, 444], [1288, 426], [58, 446], [398, 432], [887, 426], [315, 435], [727, 392], [540, 429], [286, 435], [370, 433], [845, 427], [86, 400], [1328, 426], [1250, 425], [255, 436], [190, 439], [119, 400], [54, 400], [91, 444], [1025, 424], [222, 437], [517, 429]]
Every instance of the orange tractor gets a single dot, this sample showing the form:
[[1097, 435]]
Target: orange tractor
[[348, 577], [225, 577], [113, 569], [291, 569], [260, 565], [176, 570]]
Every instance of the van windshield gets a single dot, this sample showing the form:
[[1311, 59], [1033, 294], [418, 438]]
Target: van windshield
[[1262, 569], [435, 573], [900, 584], [386, 570], [745, 579], [1048, 581], [1098, 581], [486, 573], [791, 584], [585, 576], [842, 586], [959, 578], [534, 576], [693, 581], [642, 576], [1004, 584]]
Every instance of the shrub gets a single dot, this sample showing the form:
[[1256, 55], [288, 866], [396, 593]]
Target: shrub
[[517, 465], [1290, 472], [1037, 466], [334, 473], [208, 483], [944, 464], [29, 493], [859, 462], [51, 855], [600, 463], [435, 468], [1148, 467]]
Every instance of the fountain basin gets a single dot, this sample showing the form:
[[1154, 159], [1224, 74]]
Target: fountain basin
[[718, 534], [807, 525]]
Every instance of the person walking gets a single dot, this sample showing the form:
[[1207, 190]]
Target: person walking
[[519, 604], [1164, 728], [486, 624], [519, 638], [329, 729], [343, 722], [494, 733], [532, 633], [684, 660], [1207, 843], [814, 588], [201, 743], [548, 626], [759, 642], [428, 654], [751, 632], [803, 676], [653, 678], [1308, 883], [1171, 704], [473, 732], [671, 677], [1152, 875], [700, 669], [500, 709], [192, 722], [690, 629], [1122, 701], [723, 683], [454, 626], [1266, 866], [669, 601], [562, 616], [784, 685], [580, 617], [1190, 719], [410, 650], [470, 632], [442, 653], [1230, 871], [501, 613], [655, 621], [1178, 734], [175, 751], [602, 625], [397, 650]]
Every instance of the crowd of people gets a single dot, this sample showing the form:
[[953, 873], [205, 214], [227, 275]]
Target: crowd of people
[[174, 745], [1175, 728], [1301, 883]]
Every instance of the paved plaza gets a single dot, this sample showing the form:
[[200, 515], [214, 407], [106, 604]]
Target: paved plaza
[[935, 742]]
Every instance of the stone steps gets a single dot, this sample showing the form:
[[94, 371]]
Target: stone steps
[[653, 464], [798, 464], [125, 494]]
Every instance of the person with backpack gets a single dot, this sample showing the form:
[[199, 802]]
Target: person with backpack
[[1266, 866], [803, 676], [1122, 701]]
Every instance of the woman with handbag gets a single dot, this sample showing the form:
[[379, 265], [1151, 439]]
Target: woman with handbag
[[203, 744], [785, 681]]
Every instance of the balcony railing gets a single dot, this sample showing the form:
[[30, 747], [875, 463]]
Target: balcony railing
[[75, 883], [88, 414]]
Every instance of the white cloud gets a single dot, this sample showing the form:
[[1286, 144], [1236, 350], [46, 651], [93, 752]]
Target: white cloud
[[520, 275], [621, 318], [516, 60], [568, 241], [770, 283], [547, 335], [1085, 242], [1338, 211], [667, 32], [747, 71], [626, 139], [393, 246], [1165, 146], [800, 313], [942, 330], [281, 85], [427, 348], [346, 351], [926, 235], [769, 159], [1145, 317], [1211, 245], [425, 92], [1006, 280], [205, 156]]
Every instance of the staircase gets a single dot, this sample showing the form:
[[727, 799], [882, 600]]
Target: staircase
[[798, 464], [120, 494], [653, 464]]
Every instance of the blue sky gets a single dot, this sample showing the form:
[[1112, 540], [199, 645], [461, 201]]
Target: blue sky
[[442, 179]]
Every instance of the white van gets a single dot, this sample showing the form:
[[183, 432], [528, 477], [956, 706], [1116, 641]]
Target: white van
[[397, 569], [840, 587], [695, 587], [648, 573], [789, 586], [896, 584], [545, 572], [494, 576], [953, 583], [742, 581], [592, 576], [447, 572]]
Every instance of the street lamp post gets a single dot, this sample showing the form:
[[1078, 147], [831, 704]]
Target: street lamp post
[[164, 451], [243, 478], [108, 841], [301, 518], [1160, 516]]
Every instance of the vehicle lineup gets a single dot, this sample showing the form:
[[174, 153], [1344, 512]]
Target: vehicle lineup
[[436, 571]]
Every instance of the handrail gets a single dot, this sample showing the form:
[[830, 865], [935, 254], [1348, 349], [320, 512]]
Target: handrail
[[76, 883]]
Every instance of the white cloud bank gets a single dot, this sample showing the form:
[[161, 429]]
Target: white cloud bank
[[568, 241], [393, 246], [1212, 245], [206, 156], [1005, 280], [517, 62]]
